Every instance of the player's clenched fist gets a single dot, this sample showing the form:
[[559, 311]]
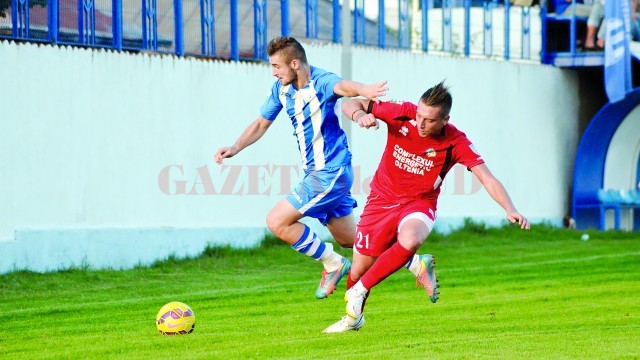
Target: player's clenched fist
[[368, 121]]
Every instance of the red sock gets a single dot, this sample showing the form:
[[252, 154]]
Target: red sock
[[391, 260]]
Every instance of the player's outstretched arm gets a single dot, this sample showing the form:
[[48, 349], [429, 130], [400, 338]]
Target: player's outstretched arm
[[356, 110], [250, 135], [499, 194], [350, 88]]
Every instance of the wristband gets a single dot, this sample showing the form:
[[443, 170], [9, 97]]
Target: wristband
[[354, 112]]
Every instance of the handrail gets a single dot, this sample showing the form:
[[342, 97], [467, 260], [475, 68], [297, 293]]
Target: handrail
[[102, 29]]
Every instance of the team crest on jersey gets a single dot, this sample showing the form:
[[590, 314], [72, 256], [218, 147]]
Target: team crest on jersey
[[284, 91], [430, 152], [404, 131]]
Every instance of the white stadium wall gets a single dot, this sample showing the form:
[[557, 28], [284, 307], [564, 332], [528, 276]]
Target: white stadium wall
[[107, 157]]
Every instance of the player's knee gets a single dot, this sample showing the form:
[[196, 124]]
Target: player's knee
[[275, 225], [411, 240], [345, 242], [355, 274]]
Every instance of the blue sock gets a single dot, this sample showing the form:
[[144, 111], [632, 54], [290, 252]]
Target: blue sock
[[309, 244]]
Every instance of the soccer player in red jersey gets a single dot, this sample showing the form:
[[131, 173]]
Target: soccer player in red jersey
[[401, 209]]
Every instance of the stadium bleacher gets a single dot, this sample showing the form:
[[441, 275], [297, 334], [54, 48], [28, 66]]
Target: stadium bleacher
[[617, 200]]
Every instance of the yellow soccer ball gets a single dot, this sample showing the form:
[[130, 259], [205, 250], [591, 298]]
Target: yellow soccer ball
[[175, 318]]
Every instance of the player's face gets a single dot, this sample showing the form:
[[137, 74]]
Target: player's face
[[429, 120], [282, 69]]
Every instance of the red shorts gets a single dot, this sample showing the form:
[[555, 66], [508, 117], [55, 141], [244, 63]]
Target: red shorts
[[378, 227]]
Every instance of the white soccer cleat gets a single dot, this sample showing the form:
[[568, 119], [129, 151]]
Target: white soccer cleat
[[347, 323], [354, 299]]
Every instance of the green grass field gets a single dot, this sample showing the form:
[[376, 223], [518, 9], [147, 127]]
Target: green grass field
[[505, 293]]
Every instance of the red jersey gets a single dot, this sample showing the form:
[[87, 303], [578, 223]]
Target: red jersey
[[413, 166]]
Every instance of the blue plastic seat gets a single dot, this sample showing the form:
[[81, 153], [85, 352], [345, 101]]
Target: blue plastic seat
[[626, 197], [609, 199], [635, 195]]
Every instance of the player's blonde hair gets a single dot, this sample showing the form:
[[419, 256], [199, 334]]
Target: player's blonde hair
[[289, 47], [438, 96]]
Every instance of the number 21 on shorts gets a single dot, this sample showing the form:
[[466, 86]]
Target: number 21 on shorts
[[363, 240]]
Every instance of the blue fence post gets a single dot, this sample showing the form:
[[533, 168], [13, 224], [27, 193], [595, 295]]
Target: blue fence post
[[404, 28], [467, 27], [235, 53], [446, 26], [207, 27], [336, 21], [572, 29], [311, 14], [204, 27], [53, 21], [92, 23], [284, 17], [179, 28], [86, 22], [23, 18], [487, 34], [507, 32], [260, 29], [358, 22], [154, 23], [116, 15], [488, 28], [14, 18], [145, 26], [526, 32], [149, 25], [543, 32], [80, 21], [425, 25], [382, 29]]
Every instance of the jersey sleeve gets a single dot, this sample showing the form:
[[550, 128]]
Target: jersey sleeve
[[464, 153], [326, 83], [389, 111], [272, 105]]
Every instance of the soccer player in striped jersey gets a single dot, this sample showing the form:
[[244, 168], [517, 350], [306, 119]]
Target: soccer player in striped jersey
[[421, 148]]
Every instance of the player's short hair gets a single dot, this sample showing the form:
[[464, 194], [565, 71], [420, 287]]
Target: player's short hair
[[288, 46], [438, 96]]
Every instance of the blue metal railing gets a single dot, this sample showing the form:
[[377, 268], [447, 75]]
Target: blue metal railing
[[260, 29], [559, 34], [424, 5], [235, 51], [207, 28], [149, 25], [382, 28], [86, 22], [162, 25], [284, 17], [359, 22]]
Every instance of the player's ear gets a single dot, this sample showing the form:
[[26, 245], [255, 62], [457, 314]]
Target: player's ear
[[295, 64], [445, 120]]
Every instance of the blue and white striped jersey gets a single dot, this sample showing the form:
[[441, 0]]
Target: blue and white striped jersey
[[321, 141]]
